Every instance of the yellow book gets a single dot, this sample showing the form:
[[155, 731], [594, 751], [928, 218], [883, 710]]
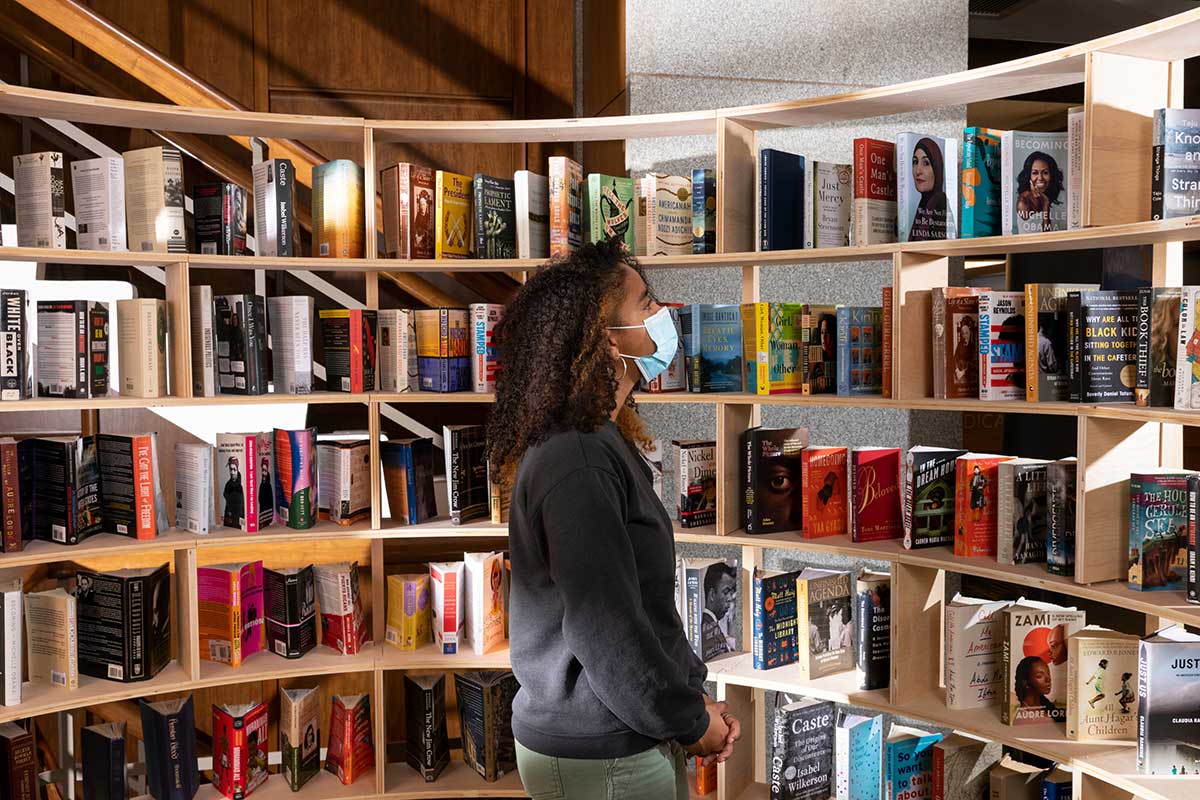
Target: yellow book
[[756, 341], [409, 623], [452, 234]]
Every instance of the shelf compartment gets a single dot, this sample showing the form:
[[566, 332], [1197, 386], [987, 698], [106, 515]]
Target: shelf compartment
[[265, 665], [324, 785], [43, 698], [101, 545], [457, 780]]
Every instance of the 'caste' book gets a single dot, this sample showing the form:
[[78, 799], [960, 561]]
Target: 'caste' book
[[929, 496], [274, 208], [1102, 680], [823, 491], [1035, 661], [803, 735], [875, 497]]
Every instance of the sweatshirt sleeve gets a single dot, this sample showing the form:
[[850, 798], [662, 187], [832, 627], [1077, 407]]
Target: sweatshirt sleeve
[[698, 673], [591, 561]]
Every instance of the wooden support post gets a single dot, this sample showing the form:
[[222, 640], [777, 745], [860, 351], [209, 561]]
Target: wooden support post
[[187, 617], [918, 594], [913, 275], [735, 775], [369, 175], [379, 722], [737, 165]]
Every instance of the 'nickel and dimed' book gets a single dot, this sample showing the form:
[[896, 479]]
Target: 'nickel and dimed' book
[[696, 482]]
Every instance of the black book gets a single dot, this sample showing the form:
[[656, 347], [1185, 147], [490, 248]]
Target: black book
[[349, 337], [18, 760], [781, 200], [495, 217], [1102, 361], [103, 761], [803, 735], [1168, 686], [1157, 342], [130, 490], [169, 731], [1193, 505], [241, 323], [485, 711], [1060, 517], [60, 479], [929, 496], [426, 744], [873, 630], [290, 600], [124, 622], [73, 348], [466, 472], [15, 383], [771, 459], [219, 218]]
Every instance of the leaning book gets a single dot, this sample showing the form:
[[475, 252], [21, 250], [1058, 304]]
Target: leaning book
[[1102, 683], [124, 621], [299, 735], [803, 735], [485, 710], [154, 200], [343, 625], [142, 332], [274, 207], [824, 607], [774, 618], [230, 601], [1158, 530], [337, 210], [1035, 654], [290, 607]]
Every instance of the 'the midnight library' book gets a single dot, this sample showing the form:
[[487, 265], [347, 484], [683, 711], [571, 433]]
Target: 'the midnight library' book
[[774, 615], [124, 622]]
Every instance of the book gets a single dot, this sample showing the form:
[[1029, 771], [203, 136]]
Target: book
[[18, 755], [349, 336], [409, 616], [344, 480], [98, 187], [51, 638], [961, 767], [1158, 530], [704, 778], [1021, 511], [875, 496], [696, 482], [1034, 650], [337, 210], [72, 352], [219, 219], [448, 615], [712, 344], [1157, 345], [975, 494], [773, 611], [1075, 131], [247, 495], [859, 350], [1102, 331], [955, 342], [443, 363], [299, 735], [874, 192], [1057, 784], [668, 214], [204, 342], [1060, 516], [466, 472], [40, 199], [708, 596], [142, 347], [15, 521], [772, 334], [827, 202], [484, 366], [483, 596], [566, 205], [343, 625], [704, 211], [1033, 183], [16, 375], [1001, 345], [124, 622], [641, 233], [926, 187], [823, 614], [873, 629], [103, 761], [772, 500], [908, 762], [532, 213], [60, 478], [426, 743], [1168, 669], [131, 493], [980, 190], [397, 351], [1102, 676], [408, 209], [408, 479], [12, 655], [1187, 358], [274, 208], [1047, 340], [239, 735], [1193, 575], [929, 496], [818, 354], [485, 711], [292, 343], [495, 221], [241, 329], [154, 197], [858, 746], [296, 477], [781, 200], [974, 668], [674, 377], [231, 608], [452, 223], [350, 752], [195, 503], [823, 491], [1014, 780], [1175, 175], [169, 728], [290, 610], [803, 736], [609, 210]]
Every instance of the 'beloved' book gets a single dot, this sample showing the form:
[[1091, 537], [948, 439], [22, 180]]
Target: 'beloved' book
[[875, 496]]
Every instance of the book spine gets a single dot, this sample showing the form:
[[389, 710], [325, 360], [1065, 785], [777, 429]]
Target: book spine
[[762, 348], [985, 346], [1157, 170], [939, 766], [1193, 500], [480, 215], [1005, 666], [939, 344], [1007, 203], [1031, 340], [908, 501], [805, 659], [1072, 718], [843, 351], [1075, 134], [12, 647], [1076, 363], [764, 226], [886, 362], [135, 660], [757, 612], [1183, 373], [1143, 707], [809, 190], [750, 484], [1004, 514], [143, 488], [82, 330], [950, 625], [1141, 390], [861, 166], [13, 535]]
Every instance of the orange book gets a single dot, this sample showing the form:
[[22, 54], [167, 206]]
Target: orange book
[[823, 491], [975, 477], [143, 487], [706, 777], [566, 211], [350, 753], [230, 601]]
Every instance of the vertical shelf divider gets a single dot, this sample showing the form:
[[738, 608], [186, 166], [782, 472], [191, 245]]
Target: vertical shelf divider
[[187, 617], [918, 594], [736, 774], [379, 725], [914, 274]]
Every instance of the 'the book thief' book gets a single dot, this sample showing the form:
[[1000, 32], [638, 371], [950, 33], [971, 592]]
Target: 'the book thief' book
[[1157, 345]]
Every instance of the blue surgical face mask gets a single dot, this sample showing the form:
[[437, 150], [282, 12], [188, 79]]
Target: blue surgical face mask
[[662, 332]]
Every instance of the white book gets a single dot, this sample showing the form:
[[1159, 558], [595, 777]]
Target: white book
[[204, 343], [484, 317], [974, 661], [195, 509], [40, 200], [1187, 384], [343, 480], [827, 203], [1075, 167], [484, 598], [1001, 345], [397, 351], [154, 200], [142, 347], [668, 214], [447, 581], [11, 587], [1043, 155], [533, 214], [98, 186], [52, 638], [291, 322]]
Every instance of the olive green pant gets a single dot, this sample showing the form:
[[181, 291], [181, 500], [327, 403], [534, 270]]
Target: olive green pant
[[659, 773]]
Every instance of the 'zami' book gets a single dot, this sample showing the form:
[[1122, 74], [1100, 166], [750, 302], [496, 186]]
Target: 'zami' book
[[1035, 661], [929, 496], [1168, 688], [1102, 682]]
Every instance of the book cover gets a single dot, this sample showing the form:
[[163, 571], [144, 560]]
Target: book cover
[[1102, 681], [1187, 358], [483, 596], [929, 496], [1035, 661], [344, 480], [874, 192], [299, 735], [241, 330], [974, 668], [980, 208], [18, 763], [204, 342], [349, 338], [533, 214], [485, 710], [781, 200], [130, 485], [1167, 693], [274, 208], [708, 597], [566, 205], [408, 479], [351, 751], [803, 736], [337, 210], [873, 629], [448, 612], [409, 616], [98, 187], [1047, 340], [343, 625], [195, 501], [230, 602], [495, 222], [908, 763], [247, 494], [296, 477], [975, 482], [453, 236], [169, 730], [1033, 183], [408, 205], [1175, 173], [16, 375], [292, 343], [60, 477], [1158, 530], [712, 342], [704, 211], [609, 209], [239, 735], [772, 335], [961, 767], [1060, 516], [1021, 511], [466, 472], [1001, 345], [51, 638], [12, 613], [103, 761], [14, 531], [484, 317], [823, 491], [124, 622], [397, 351], [219, 219], [926, 187], [426, 744], [955, 342], [1102, 360], [696, 482], [142, 347], [443, 347], [290, 609], [72, 352], [705, 778], [40, 199], [859, 749], [668, 214], [154, 194], [827, 201], [819, 352], [1157, 345], [859, 350], [875, 496], [824, 606], [774, 617], [771, 477]]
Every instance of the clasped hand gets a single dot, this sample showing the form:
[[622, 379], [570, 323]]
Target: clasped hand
[[723, 730]]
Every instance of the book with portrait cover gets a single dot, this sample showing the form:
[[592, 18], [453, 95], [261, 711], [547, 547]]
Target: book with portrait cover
[[73, 347], [290, 609], [1047, 340], [408, 479], [566, 205], [426, 744], [51, 638], [337, 210], [39, 195], [975, 493], [803, 736], [1102, 680], [608, 209], [781, 200], [1168, 691], [858, 773], [343, 480], [299, 735], [409, 612], [103, 760], [219, 219], [696, 482], [929, 496], [239, 736], [408, 210], [962, 766], [1001, 345], [241, 330], [169, 730], [873, 629], [98, 186], [819, 352], [443, 347], [668, 214], [1102, 343], [707, 598], [350, 752], [772, 500], [774, 618], [823, 491], [230, 598], [955, 342], [859, 350], [974, 667], [1157, 345], [823, 622], [296, 477], [343, 624], [483, 596], [274, 208], [772, 335], [1034, 650], [124, 622], [1158, 530], [1033, 182], [59, 478], [1174, 175], [349, 337], [704, 211], [874, 192], [712, 345], [926, 187], [1060, 516], [1021, 512], [131, 485], [875, 497], [533, 214], [154, 195], [485, 710], [827, 201], [248, 494], [495, 222], [980, 182], [908, 762]]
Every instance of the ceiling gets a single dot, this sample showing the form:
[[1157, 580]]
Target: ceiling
[[1067, 21]]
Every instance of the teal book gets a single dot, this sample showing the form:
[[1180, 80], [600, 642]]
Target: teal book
[[608, 205], [858, 773], [712, 347], [704, 211], [980, 190], [1158, 530], [859, 350], [908, 762]]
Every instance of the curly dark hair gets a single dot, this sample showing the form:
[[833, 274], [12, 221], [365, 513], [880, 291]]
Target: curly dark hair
[[1056, 175], [552, 340]]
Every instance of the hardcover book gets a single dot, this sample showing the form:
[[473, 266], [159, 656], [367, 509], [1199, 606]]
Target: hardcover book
[[18, 763], [349, 337], [241, 328], [771, 476], [712, 344], [1014, 780], [292, 343], [859, 749], [443, 363], [774, 617], [1033, 183], [1035, 661], [708, 596], [1021, 515], [1167, 691], [823, 491], [1102, 331], [1102, 680], [103, 761], [704, 211], [142, 347], [859, 350], [239, 735], [452, 225], [466, 472], [124, 622], [974, 667], [72, 353], [195, 503], [485, 710], [154, 200], [823, 614], [873, 629], [426, 744], [290, 607], [1175, 171], [484, 317], [609, 209], [448, 615], [274, 208], [976, 476], [772, 335], [818, 355], [398, 351], [955, 342], [566, 205], [781, 200], [98, 186], [204, 342], [827, 201], [1157, 345], [344, 480], [408, 209], [961, 767], [908, 763], [926, 187], [299, 735], [641, 233], [343, 625], [40, 199], [16, 375], [169, 728], [409, 616], [1001, 345], [130, 485], [668, 214], [874, 192], [980, 182], [337, 210], [15, 520], [1057, 785], [247, 494], [803, 735], [1060, 516], [483, 595], [230, 599], [60, 478], [408, 479], [1158, 530], [51, 638], [1047, 340], [495, 221], [351, 752], [1187, 358], [696, 482], [929, 496], [875, 496], [219, 219], [533, 214], [296, 477], [12, 613]]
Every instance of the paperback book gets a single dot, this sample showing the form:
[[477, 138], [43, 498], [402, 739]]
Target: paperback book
[[142, 332], [961, 767], [351, 751], [781, 200], [239, 735], [772, 336], [859, 350], [819, 352], [296, 477], [873, 629], [1158, 530], [926, 187], [169, 731], [426, 743], [955, 342], [98, 187], [60, 478], [858, 746], [344, 480], [484, 366], [290, 607], [1001, 345], [73, 346], [292, 343], [349, 339], [154, 195], [408, 479], [1157, 345], [696, 482], [443, 363], [485, 710], [774, 618], [824, 607], [1102, 329], [495, 221], [827, 203], [130, 485], [466, 472], [533, 214], [195, 501], [248, 495], [409, 612], [448, 617], [124, 620], [204, 342], [483, 594], [1035, 655], [929, 489], [299, 735], [12, 647], [230, 600], [771, 475], [908, 762], [16, 375], [566, 205], [976, 477], [1168, 685], [609, 209], [274, 208], [1102, 680], [668, 214], [408, 210], [704, 211], [1047, 340], [40, 199], [974, 666], [1175, 163], [241, 331], [980, 182], [1060, 516], [51, 638], [452, 223], [708, 596], [398, 351], [337, 210], [219, 219], [343, 625]]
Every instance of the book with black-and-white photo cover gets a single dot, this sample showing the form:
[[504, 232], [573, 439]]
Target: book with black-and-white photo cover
[[154, 203], [169, 728], [349, 337], [72, 352], [142, 345], [408, 210], [483, 594], [1021, 515], [344, 480], [16, 374], [291, 321], [707, 599], [299, 735], [274, 207], [827, 200], [239, 736], [204, 342], [1047, 340], [60, 479], [824, 630], [466, 472], [12, 654], [124, 622], [398, 351], [1034, 649], [131, 485], [219, 219], [98, 186], [803, 734], [39, 194], [18, 761], [533, 214], [1167, 692], [290, 607], [426, 744], [245, 471], [974, 666], [51, 638], [1060, 516], [195, 505], [241, 325], [873, 629], [103, 760], [343, 625]]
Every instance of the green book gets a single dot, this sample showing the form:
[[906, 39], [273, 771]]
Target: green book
[[299, 736], [609, 205]]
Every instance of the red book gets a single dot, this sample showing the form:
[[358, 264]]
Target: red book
[[351, 752], [874, 192], [10, 512], [975, 476], [823, 482], [875, 498], [886, 366], [239, 741], [143, 487]]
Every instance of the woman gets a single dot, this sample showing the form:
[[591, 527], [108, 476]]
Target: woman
[[929, 178], [611, 693], [1038, 186], [1031, 683]]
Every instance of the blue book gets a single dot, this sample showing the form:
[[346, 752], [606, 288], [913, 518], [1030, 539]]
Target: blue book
[[704, 211], [1056, 785], [712, 346], [980, 190], [1175, 163], [781, 187], [908, 760], [860, 350], [774, 618], [859, 763]]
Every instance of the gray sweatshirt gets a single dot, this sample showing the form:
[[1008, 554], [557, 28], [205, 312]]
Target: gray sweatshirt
[[596, 642]]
